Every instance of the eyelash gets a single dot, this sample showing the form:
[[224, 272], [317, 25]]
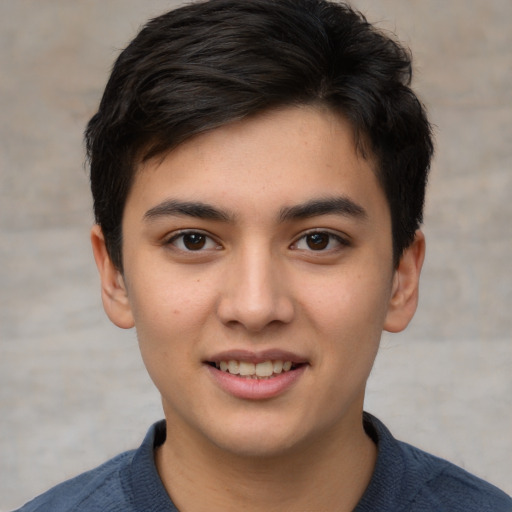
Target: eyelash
[[205, 239], [182, 234], [340, 240]]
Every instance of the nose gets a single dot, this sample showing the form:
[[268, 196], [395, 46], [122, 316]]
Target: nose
[[255, 292]]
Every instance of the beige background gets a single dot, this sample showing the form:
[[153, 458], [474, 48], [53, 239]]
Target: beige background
[[72, 389]]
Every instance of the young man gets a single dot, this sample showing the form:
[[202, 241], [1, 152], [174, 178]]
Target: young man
[[258, 171]]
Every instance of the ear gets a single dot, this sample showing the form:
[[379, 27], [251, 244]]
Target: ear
[[113, 289], [404, 296]]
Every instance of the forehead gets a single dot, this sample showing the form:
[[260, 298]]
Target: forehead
[[271, 160]]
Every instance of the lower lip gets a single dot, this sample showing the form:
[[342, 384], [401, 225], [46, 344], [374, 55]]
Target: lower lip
[[256, 389]]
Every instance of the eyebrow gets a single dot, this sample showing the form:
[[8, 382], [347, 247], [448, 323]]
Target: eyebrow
[[195, 209], [316, 207]]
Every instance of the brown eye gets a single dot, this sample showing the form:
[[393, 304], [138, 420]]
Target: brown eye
[[318, 241], [194, 241], [190, 241]]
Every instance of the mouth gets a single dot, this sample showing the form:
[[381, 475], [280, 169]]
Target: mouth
[[259, 371], [261, 375]]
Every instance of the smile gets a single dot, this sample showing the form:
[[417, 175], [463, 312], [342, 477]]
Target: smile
[[263, 370], [256, 376]]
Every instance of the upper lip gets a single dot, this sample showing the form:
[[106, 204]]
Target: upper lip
[[257, 357]]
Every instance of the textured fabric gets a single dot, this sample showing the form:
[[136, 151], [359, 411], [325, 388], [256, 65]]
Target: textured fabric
[[405, 479], [127, 483]]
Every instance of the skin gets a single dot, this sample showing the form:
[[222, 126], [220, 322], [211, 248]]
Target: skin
[[256, 281]]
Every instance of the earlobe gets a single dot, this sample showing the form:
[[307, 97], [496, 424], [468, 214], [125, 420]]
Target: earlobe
[[113, 289], [404, 296]]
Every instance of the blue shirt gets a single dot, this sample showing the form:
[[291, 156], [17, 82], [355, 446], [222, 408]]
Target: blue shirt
[[405, 479]]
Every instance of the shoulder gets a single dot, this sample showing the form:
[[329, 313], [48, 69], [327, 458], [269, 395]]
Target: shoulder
[[442, 485], [408, 479], [102, 488], [126, 483]]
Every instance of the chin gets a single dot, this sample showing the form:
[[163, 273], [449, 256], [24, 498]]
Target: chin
[[260, 439], [254, 446]]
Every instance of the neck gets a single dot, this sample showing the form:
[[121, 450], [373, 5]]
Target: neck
[[335, 469]]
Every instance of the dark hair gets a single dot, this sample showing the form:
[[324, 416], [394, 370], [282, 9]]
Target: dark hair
[[209, 63]]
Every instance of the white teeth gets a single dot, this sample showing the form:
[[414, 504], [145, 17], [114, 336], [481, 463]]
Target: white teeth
[[259, 370], [233, 367], [265, 369], [247, 368], [278, 366]]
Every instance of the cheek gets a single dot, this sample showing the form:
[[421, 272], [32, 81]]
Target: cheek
[[354, 302], [168, 330], [348, 316], [169, 311]]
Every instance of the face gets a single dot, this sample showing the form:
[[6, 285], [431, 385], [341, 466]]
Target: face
[[258, 272]]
